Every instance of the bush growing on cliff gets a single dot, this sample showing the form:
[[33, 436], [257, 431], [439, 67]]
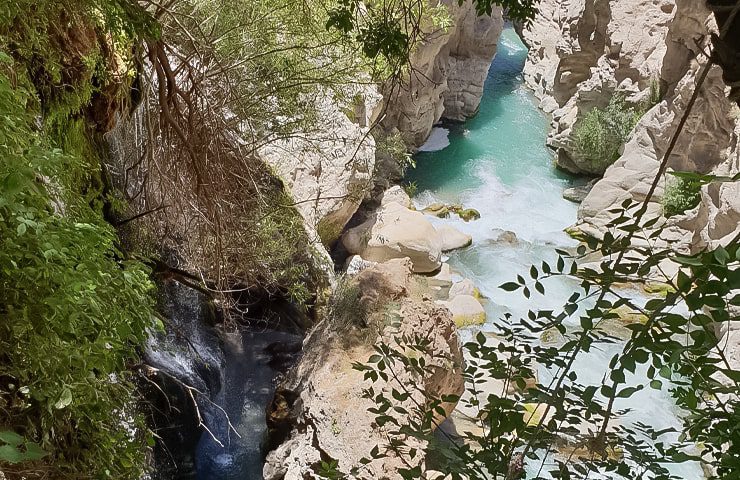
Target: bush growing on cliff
[[73, 309], [510, 424], [601, 133], [681, 194]]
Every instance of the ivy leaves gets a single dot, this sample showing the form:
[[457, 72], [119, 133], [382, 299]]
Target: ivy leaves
[[16, 449]]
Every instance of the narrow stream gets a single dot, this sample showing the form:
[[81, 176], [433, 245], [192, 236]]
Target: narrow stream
[[498, 164], [231, 373]]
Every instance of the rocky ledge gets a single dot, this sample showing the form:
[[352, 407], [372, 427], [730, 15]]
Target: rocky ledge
[[320, 412]]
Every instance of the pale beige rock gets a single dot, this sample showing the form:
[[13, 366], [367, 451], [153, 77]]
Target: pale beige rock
[[329, 414], [394, 231], [443, 278], [452, 238], [450, 68], [398, 195], [464, 287], [582, 51], [585, 50], [466, 310], [355, 264], [328, 172]]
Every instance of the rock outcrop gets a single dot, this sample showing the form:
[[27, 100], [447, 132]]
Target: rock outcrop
[[394, 231], [450, 68], [321, 403], [582, 51], [329, 172]]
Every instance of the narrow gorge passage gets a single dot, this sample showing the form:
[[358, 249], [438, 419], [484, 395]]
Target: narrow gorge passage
[[498, 164]]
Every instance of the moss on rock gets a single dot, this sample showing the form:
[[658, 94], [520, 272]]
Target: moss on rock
[[469, 214]]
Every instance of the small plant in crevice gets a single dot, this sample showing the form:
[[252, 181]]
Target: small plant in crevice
[[411, 189], [655, 95], [393, 146], [344, 308], [599, 136], [681, 194]]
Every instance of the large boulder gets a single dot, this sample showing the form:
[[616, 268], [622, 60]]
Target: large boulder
[[394, 231], [396, 194], [321, 402], [452, 238]]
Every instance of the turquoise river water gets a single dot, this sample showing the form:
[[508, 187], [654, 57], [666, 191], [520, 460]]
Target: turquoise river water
[[497, 163]]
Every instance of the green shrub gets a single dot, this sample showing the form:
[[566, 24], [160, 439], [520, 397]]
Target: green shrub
[[394, 147], [345, 309], [680, 195], [603, 131], [411, 189], [72, 309]]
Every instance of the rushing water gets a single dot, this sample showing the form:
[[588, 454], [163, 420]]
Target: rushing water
[[232, 371], [497, 163]]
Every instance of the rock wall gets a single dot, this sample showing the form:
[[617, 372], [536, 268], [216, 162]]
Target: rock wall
[[329, 170], [582, 51], [449, 71], [321, 409]]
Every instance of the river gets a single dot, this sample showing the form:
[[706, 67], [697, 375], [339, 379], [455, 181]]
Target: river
[[497, 163]]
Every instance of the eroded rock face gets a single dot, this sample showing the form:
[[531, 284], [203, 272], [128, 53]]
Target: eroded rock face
[[585, 50], [394, 231], [329, 172], [450, 68], [322, 397]]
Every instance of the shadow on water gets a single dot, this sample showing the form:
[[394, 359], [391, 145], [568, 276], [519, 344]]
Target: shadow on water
[[233, 373], [506, 137]]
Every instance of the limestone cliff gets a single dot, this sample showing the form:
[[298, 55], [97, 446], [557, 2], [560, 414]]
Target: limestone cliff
[[328, 170], [582, 51], [321, 410], [449, 69]]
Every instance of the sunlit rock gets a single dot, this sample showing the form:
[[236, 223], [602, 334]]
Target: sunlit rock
[[452, 238], [394, 231]]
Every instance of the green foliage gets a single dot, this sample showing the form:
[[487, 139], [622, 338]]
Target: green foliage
[[393, 146], [16, 449], [681, 194], [655, 96], [602, 132], [344, 305], [73, 309], [256, 73], [411, 189], [389, 30], [569, 427], [276, 253], [57, 45], [329, 232]]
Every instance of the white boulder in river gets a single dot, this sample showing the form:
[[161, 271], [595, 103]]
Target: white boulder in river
[[394, 231], [452, 238], [466, 310]]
